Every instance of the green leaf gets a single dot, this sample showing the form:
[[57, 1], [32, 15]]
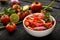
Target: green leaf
[[47, 17], [19, 22], [9, 11], [48, 8], [49, 5], [2, 27]]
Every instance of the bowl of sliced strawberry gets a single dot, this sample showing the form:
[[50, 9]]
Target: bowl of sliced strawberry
[[39, 24]]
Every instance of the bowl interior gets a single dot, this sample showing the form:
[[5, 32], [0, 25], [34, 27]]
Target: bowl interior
[[43, 30]]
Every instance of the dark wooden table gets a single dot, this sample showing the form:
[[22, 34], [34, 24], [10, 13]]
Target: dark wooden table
[[21, 34]]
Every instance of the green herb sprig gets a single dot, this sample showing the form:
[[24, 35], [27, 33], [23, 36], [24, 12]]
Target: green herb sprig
[[47, 17], [9, 11]]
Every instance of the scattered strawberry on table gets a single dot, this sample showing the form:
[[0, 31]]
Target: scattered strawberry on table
[[5, 19], [11, 27], [36, 6]]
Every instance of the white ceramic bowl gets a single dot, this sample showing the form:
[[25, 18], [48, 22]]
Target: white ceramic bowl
[[39, 33]]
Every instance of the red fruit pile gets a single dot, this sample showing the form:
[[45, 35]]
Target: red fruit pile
[[37, 22]]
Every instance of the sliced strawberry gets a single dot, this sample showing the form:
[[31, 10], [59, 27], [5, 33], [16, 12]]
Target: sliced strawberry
[[40, 28], [49, 24], [27, 23], [30, 28]]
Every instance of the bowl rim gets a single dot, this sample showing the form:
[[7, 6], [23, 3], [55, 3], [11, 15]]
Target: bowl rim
[[39, 31]]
